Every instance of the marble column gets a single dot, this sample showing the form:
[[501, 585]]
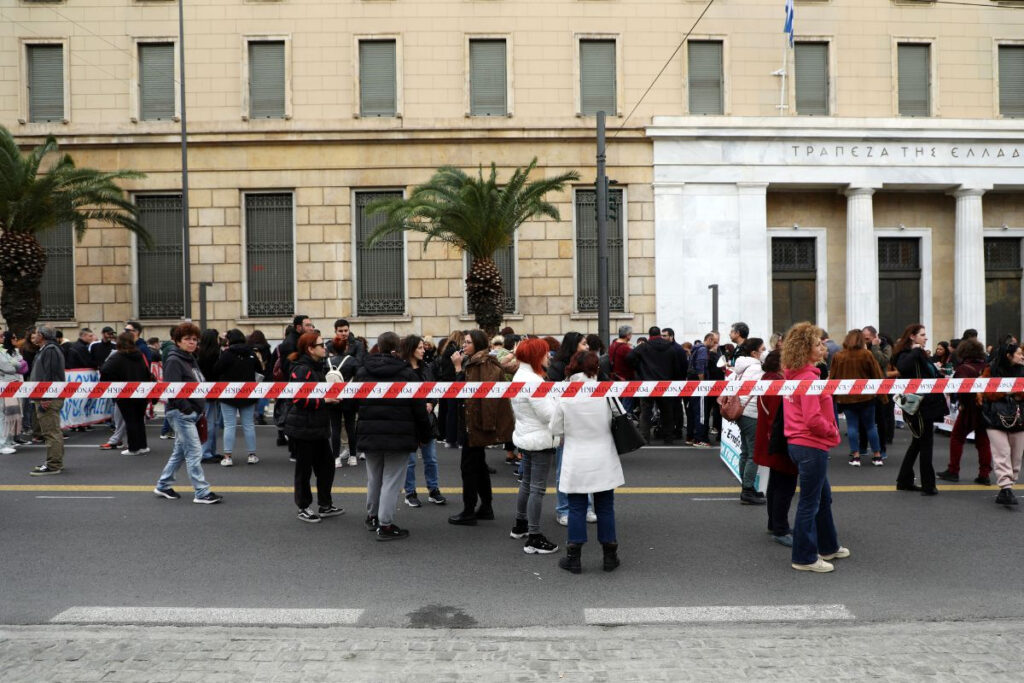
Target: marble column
[[969, 263], [861, 261]]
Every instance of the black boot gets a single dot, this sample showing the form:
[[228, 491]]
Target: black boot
[[611, 556], [571, 561]]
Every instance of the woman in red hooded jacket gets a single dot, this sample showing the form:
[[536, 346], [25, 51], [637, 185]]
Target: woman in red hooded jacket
[[773, 454], [811, 430]]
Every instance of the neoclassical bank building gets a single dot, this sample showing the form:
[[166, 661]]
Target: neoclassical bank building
[[848, 222]]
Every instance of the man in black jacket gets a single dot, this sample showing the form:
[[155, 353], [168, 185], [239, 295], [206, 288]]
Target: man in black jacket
[[48, 366], [78, 354], [656, 360], [677, 401], [388, 431], [101, 349]]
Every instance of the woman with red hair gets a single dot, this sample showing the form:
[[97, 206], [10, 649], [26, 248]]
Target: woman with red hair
[[533, 437]]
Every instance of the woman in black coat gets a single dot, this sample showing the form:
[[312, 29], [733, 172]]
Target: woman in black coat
[[308, 427], [910, 356], [207, 354], [261, 347], [127, 364], [237, 363]]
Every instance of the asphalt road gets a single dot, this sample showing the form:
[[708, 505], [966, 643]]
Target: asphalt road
[[80, 541]]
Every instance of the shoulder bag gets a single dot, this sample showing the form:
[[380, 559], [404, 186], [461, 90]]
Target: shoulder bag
[[1004, 415], [731, 408], [625, 433]]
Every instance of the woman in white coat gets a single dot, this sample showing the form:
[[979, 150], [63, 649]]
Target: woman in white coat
[[533, 437], [748, 369], [590, 464]]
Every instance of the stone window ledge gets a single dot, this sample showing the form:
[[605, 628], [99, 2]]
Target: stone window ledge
[[368, 319], [593, 316], [511, 316]]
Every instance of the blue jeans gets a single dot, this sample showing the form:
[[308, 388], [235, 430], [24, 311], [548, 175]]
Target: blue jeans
[[213, 423], [186, 448], [856, 415], [261, 406], [561, 499], [696, 425], [429, 453], [165, 428], [232, 415], [814, 531], [604, 506], [530, 499]]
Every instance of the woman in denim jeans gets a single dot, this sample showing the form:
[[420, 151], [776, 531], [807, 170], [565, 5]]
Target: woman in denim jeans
[[811, 430], [533, 437], [184, 413], [412, 351], [590, 464], [855, 361], [237, 363]]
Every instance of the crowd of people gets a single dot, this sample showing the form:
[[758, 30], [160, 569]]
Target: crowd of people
[[567, 441]]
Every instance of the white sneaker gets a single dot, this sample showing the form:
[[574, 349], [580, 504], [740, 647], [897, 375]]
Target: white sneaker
[[227, 461], [252, 459], [820, 566], [344, 454], [591, 516], [128, 451], [352, 461], [837, 555], [362, 456], [338, 463], [142, 451], [7, 450], [562, 519]]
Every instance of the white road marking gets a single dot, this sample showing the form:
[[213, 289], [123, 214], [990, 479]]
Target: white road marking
[[77, 497], [208, 616], [733, 499], [716, 614]]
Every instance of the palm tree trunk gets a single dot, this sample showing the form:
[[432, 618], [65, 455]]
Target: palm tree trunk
[[22, 263], [486, 295]]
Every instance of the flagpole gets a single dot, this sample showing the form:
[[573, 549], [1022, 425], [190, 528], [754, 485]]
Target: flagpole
[[783, 105]]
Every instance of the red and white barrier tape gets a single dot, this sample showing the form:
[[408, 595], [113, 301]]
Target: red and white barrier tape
[[437, 390]]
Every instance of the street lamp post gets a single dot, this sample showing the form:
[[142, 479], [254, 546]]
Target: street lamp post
[[185, 243]]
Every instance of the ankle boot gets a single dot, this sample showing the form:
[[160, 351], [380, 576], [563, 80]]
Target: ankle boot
[[571, 561], [611, 556]]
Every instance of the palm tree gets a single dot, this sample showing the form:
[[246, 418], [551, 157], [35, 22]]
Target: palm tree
[[476, 215], [31, 202]]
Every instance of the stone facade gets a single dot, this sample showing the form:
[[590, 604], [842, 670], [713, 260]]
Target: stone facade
[[322, 149]]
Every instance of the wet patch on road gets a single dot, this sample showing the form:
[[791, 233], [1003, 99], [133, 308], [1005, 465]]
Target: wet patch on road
[[440, 616]]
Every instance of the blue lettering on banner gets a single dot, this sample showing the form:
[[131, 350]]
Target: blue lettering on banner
[[84, 411]]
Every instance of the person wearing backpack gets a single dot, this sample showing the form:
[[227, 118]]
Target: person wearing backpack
[[1003, 414], [341, 367], [237, 363], [771, 450]]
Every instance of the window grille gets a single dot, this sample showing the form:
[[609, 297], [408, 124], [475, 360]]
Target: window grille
[[811, 78], [57, 289], [914, 74], [1002, 253], [45, 82], [266, 79], [505, 259], [378, 81], [488, 89], [704, 59], [156, 81], [380, 270], [597, 77], [899, 254], [269, 255], [160, 268], [586, 250], [796, 254]]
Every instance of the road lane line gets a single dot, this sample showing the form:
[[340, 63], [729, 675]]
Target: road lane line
[[209, 616], [77, 497], [507, 490], [733, 499], [715, 614]]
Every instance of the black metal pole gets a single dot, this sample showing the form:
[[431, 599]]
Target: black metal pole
[[186, 260], [714, 308], [202, 304], [603, 310]]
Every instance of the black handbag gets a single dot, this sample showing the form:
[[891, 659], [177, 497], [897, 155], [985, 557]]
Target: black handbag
[[1004, 415], [625, 433]]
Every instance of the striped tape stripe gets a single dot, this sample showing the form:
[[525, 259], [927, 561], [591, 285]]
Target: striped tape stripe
[[437, 390]]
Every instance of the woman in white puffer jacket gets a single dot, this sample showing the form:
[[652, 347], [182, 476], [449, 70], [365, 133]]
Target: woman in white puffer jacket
[[590, 464], [533, 437], [748, 369]]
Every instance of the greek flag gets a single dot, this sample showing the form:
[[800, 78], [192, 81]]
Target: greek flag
[[788, 28]]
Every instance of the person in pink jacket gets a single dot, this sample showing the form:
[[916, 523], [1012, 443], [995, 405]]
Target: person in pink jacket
[[811, 431]]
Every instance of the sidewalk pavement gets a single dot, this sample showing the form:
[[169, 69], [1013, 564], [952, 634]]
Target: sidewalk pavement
[[913, 651]]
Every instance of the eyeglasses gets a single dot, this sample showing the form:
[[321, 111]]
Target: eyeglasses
[[316, 345]]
